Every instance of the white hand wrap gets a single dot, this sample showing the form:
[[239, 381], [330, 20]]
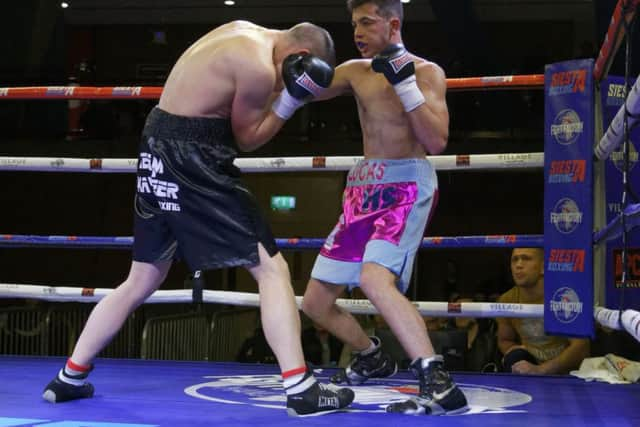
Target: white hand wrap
[[285, 105], [409, 93]]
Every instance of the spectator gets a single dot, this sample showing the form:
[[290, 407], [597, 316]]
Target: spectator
[[255, 349], [481, 354], [526, 349], [320, 347]]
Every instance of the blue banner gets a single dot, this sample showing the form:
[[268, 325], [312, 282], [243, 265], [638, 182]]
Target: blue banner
[[568, 198], [613, 97]]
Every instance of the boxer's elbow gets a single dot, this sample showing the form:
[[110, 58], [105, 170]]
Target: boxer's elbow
[[438, 144], [248, 146], [249, 139], [243, 144]]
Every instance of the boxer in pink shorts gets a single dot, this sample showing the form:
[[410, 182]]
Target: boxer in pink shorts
[[388, 199], [386, 206]]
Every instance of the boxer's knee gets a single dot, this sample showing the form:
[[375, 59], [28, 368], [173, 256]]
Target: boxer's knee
[[318, 299], [376, 281], [271, 268]]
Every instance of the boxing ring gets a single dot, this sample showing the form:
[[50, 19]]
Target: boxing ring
[[147, 392], [164, 393]]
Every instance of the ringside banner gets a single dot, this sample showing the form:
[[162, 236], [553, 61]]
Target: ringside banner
[[613, 96]]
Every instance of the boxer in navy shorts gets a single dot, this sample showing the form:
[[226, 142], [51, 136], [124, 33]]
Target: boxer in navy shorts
[[191, 204], [190, 197]]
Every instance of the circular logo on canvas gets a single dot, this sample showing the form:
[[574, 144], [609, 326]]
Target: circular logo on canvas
[[565, 305], [265, 391], [567, 127]]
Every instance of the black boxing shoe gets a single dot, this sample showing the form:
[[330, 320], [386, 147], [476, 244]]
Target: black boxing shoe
[[375, 364], [438, 394], [61, 391], [317, 398]]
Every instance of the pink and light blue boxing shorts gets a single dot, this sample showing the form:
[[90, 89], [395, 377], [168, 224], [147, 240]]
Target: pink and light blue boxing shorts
[[386, 207]]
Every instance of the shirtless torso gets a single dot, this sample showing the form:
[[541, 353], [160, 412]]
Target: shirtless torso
[[386, 129], [232, 72], [203, 81]]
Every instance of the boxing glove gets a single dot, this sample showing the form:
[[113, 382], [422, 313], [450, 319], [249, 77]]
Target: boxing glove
[[396, 63], [305, 77]]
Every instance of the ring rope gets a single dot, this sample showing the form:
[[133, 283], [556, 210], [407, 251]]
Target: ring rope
[[615, 134], [276, 164], [630, 319], [154, 92], [630, 217], [356, 306], [622, 14], [125, 242]]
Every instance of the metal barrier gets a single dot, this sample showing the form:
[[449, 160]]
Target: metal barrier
[[229, 330], [66, 321], [23, 331], [176, 337], [64, 324], [53, 331]]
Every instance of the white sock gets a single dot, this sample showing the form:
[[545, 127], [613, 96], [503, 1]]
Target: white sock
[[68, 380], [372, 347], [427, 360], [297, 380]]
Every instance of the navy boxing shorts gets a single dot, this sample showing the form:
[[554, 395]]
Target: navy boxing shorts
[[190, 202]]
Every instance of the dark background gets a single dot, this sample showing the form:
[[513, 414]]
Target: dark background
[[132, 43]]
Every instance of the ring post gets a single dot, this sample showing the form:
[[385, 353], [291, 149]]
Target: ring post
[[613, 101], [568, 198]]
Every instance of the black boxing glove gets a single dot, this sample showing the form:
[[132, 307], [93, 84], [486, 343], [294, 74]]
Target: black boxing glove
[[305, 77], [516, 355], [396, 63]]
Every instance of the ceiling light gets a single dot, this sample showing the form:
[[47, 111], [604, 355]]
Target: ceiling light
[[229, 2], [64, 5], [406, 1]]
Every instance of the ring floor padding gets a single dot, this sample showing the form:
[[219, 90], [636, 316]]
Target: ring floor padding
[[132, 393]]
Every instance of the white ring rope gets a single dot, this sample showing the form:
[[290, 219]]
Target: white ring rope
[[355, 306], [630, 319], [276, 164], [614, 135]]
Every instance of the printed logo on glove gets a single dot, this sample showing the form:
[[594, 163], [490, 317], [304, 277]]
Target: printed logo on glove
[[395, 63], [397, 66], [305, 77]]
